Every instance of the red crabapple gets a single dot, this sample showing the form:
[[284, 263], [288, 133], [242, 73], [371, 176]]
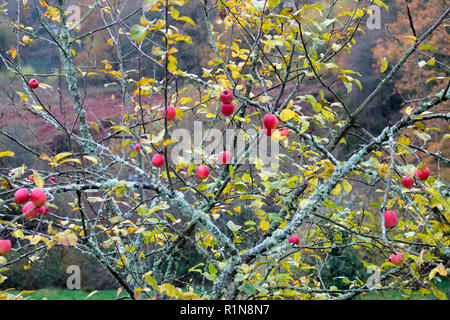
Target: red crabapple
[[226, 96], [424, 174], [390, 219], [202, 172], [158, 160], [22, 195]]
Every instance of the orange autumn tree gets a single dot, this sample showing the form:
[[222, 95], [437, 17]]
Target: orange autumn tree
[[424, 70], [276, 201], [427, 65]]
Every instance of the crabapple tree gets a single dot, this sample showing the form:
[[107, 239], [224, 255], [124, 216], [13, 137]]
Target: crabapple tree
[[260, 175]]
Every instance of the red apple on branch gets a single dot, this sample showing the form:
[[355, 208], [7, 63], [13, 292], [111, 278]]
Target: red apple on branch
[[227, 109], [224, 157], [226, 96], [294, 240], [29, 210], [396, 258], [158, 160], [270, 121], [38, 197], [137, 147], [390, 218], [44, 210], [202, 172], [424, 174], [284, 132], [22, 195], [171, 112], [407, 182], [5, 246], [33, 83]]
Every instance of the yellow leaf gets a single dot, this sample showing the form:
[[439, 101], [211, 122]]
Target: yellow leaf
[[94, 124], [384, 65], [167, 142], [347, 186], [439, 269], [18, 233], [12, 52], [287, 114], [258, 163], [71, 160], [66, 238], [383, 170], [7, 154], [38, 181], [92, 159], [265, 99], [185, 100], [172, 67], [151, 281], [61, 155], [337, 190], [276, 135], [264, 225]]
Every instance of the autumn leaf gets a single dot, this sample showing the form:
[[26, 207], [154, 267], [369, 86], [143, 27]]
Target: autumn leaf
[[287, 114], [38, 181], [384, 65], [7, 154], [66, 238], [12, 52]]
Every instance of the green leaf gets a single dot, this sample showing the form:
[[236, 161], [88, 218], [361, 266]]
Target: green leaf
[[122, 128], [427, 46], [375, 204], [249, 288], [151, 281], [212, 269], [138, 33], [121, 192], [273, 3], [211, 277], [233, 227], [231, 172]]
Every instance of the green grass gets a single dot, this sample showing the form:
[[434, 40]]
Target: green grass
[[65, 294]]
